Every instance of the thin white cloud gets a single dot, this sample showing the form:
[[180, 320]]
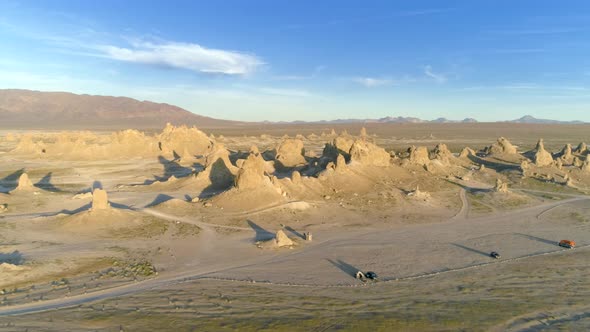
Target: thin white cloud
[[440, 78], [371, 82], [187, 56]]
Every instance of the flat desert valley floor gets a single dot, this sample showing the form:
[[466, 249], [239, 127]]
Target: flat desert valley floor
[[190, 230]]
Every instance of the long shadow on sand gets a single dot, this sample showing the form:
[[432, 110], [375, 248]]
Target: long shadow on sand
[[344, 267], [9, 182], [45, 184], [487, 254], [496, 166], [87, 207], [261, 233], [161, 198], [471, 190], [538, 239], [294, 232], [15, 258], [172, 167]]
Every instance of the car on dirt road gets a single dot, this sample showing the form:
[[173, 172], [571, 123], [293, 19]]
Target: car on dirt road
[[567, 244]]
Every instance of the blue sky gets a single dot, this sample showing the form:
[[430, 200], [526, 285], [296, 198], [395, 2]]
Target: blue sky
[[309, 60]]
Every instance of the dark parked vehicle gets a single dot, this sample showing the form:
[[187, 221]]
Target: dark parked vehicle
[[371, 275], [495, 255]]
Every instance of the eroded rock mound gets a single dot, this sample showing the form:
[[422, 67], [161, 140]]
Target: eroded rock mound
[[100, 200], [26, 145], [363, 134], [501, 187], [418, 155], [189, 141], [340, 145], [582, 148], [502, 146], [340, 166], [368, 154], [442, 153], [24, 183], [466, 152], [291, 153], [566, 155], [542, 157], [282, 240], [219, 171], [251, 174], [586, 165], [296, 177], [418, 194]]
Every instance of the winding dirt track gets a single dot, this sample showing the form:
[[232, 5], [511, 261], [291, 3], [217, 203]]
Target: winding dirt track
[[216, 271]]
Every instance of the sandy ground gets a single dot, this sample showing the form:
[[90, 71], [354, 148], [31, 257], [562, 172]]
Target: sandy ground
[[68, 267]]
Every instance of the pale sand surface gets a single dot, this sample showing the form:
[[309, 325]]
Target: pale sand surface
[[70, 266]]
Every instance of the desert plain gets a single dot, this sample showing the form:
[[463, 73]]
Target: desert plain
[[263, 228]]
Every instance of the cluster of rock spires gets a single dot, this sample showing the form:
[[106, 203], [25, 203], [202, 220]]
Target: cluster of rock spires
[[173, 143], [256, 170]]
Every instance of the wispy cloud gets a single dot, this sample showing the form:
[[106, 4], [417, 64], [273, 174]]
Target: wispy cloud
[[371, 82], [188, 56], [438, 77]]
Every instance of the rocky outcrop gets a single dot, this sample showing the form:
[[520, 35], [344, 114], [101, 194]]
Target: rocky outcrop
[[291, 153], [251, 174], [442, 153], [466, 152], [541, 157], [502, 146], [282, 240], [180, 139], [582, 148], [219, 171], [418, 155], [566, 155], [100, 200], [339, 145], [296, 177], [501, 187], [24, 183], [368, 154], [340, 166], [418, 194]]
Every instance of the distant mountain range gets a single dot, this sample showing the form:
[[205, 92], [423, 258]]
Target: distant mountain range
[[401, 119], [25, 109], [531, 119]]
